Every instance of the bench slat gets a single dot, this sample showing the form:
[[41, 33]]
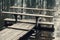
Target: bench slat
[[29, 21], [25, 14], [32, 8], [27, 27]]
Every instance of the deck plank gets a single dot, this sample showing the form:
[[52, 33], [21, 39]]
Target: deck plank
[[16, 33], [3, 36], [12, 37], [12, 34], [23, 33], [20, 35], [3, 31]]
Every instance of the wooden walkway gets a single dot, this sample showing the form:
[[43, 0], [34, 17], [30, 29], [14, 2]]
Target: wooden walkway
[[16, 31]]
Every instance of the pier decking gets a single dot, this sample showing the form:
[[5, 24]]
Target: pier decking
[[16, 31]]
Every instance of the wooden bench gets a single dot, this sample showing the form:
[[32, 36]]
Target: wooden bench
[[35, 15], [16, 31]]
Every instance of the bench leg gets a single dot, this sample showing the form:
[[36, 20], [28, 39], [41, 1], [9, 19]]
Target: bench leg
[[15, 18], [5, 23], [36, 27]]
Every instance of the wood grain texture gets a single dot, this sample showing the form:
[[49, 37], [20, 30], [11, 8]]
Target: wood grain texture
[[15, 34], [28, 21], [32, 8], [25, 14]]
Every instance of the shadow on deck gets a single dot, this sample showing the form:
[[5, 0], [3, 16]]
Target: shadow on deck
[[40, 31]]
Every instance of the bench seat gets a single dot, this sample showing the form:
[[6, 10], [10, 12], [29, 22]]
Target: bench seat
[[29, 21], [16, 31]]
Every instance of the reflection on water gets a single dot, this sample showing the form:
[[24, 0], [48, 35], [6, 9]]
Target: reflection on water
[[45, 33]]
